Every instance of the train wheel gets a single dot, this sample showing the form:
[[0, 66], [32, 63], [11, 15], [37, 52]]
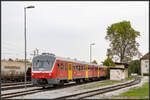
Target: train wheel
[[55, 85], [61, 83]]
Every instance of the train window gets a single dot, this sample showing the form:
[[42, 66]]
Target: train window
[[83, 67], [80, 67], [48, 62], [58, 65], [62, 66], [77, 67], [66, 67], [74, 66], [89, 68], [69, 67]]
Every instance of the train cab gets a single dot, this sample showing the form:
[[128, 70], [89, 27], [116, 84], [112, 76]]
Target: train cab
[[43, 69]]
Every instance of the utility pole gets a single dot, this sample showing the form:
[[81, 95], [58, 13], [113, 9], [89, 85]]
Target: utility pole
[[25, 8], [34, 53], [91, 51], [37, 51]]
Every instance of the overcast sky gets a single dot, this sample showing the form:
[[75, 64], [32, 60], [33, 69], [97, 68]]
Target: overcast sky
[[67, 28]]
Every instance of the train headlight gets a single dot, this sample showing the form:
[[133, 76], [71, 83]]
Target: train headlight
[[32, 74], [49, 73]]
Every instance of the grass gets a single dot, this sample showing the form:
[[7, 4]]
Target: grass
[[98, 84], [111, 82], [140, 93]]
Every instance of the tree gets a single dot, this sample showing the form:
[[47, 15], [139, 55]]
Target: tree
[[10, 59], [94, 62], [108, 62], [122, 39], [134, 67]]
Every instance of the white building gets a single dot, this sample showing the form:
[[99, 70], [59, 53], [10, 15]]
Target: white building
[[119, 72], [145, 64]]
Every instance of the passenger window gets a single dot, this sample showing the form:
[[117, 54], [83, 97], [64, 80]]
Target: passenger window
[[66, 67], [62, 66], [58, 65], [74, 66], [81, 67], [77, 67], [69, 67]]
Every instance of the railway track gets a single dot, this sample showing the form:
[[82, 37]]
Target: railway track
[[16, 86], [10, 84], [32, 91], [21, 93], [99, 91]]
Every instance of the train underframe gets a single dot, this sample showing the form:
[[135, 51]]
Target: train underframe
[[46, 82]]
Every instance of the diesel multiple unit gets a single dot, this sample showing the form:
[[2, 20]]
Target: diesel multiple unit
[[48, 69]]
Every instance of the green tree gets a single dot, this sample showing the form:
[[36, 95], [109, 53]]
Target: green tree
[[122, 39], [94, 62], [108, 62], [134, 67]]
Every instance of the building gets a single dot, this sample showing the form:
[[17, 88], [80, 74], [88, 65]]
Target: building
[[145, 64], [119, 72]]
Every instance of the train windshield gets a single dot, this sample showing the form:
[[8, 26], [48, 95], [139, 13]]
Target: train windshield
[[43, 63]]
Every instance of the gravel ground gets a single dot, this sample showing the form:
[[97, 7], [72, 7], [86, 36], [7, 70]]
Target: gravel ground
[[117, 92], [55, 93], [60, 92], [18, 90]]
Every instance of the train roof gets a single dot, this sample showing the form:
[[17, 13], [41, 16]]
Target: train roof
[[76, 61], [71, 60]]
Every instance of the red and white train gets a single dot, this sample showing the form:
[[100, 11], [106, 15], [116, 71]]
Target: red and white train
[[47, 69]]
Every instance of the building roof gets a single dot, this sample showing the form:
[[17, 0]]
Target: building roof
[[146, 56], [117, 68], [125, 64], [117, 63]]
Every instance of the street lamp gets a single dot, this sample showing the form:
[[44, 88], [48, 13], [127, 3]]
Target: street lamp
[[28, 7], [91, 51]]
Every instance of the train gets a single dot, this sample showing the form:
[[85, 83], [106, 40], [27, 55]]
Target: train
[[14, 71], [48, 70]]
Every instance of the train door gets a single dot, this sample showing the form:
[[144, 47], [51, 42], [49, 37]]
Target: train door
[[98, 72], [69, 71], [86, 71]]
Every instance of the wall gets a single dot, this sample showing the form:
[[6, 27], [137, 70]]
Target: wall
[[116, 74], [144, 66]]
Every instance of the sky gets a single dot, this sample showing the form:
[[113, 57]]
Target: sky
[[68, 28]]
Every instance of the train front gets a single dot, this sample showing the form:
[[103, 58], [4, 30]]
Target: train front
[[43, 72]]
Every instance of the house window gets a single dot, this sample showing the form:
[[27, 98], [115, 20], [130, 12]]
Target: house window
[[146, 65]]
